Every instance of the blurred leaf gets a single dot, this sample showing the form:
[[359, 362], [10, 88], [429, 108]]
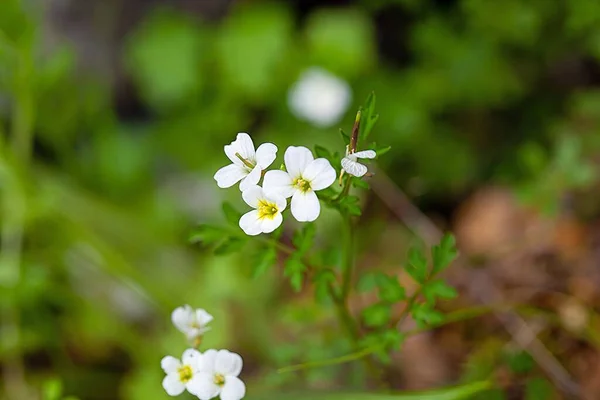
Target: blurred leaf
[[368, 117], [322, 152], [539, 389], [52, 389], [425, 315], [231, 214], [438, 289], [390, 290], [376, 315], [229, 246], [417, 265], [345, 137], [444, 253], [341, 40], [303, 238], [350, 205], [520, 362], [360, 183], [207, 234], [294, 269], [323, 279], [266, 258]]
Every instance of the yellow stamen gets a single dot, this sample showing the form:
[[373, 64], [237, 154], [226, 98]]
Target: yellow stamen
[[302, 184], [267, 209], [219, 380], [185, 373]]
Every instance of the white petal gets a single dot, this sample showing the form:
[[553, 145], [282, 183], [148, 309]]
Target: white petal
[[265, 155], [250, 223], [203, 386], [243, 146], [229, 175], [251, 179], [228, 363], [202, 317], [297, 159], [234, 389], [182, 317], [353, 168], [170, 364], [268, 225], [305, 206], [279, 182], [207, 361], [172, 385], [191, 357], [252, 195], [320, 173], [278, 199], [365, 154]]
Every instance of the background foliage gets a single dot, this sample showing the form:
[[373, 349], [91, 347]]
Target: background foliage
[[113, 119]]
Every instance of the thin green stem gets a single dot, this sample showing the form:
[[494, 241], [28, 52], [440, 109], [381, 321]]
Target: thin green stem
[[348, 265], [246, 162]]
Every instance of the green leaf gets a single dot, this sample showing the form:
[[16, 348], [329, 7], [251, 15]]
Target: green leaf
[[462, 392], [539, 389], [444, 253], [425, 315], [417, 265], [322, 281], [368, 117], [229, 245], [52, 389], [438, 289], [390, 290], [381, 151], [376, 315], [350, 205], [294, 269], [345, 137], [207, 235], [520, 362], [322, 152], [231, 214], [266, 258], [360, 183], [303, 238], [368, 281]]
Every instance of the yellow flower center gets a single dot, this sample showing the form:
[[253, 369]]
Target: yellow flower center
[[302, 184], [219, 380], [185, 373], [267, 209]]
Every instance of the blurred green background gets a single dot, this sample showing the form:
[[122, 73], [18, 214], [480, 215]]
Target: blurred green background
[[113, 117]]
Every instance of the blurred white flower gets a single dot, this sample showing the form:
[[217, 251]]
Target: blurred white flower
[[266, 216], [351, 165], [247, 164], [182, 374], [191, 322], [304, 176], [319, 97], [218, 376]]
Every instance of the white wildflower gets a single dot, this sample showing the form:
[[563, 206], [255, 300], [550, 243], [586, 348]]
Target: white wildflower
[[266, 216], [182, 374], [191, 322], [351, 165], [319, 97], [218, 376], [247, 164], [304, 176]]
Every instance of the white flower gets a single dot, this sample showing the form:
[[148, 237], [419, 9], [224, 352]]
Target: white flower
[[247, 164], [218, 376], [182, 374], [266, 216], [352, 166], [319, 97], [191, 322], [304, 176]]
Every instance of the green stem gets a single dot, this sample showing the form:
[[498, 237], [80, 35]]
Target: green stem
[[348, 265]]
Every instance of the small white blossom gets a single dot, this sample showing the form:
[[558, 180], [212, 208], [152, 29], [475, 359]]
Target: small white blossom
[[191, 322], [351, 165], [266, 216], [247, 164], [218, 376], [319, 97], [182, 374], [304, 176]]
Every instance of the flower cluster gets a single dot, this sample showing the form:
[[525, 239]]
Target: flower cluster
[[205, 375], [301, 177]]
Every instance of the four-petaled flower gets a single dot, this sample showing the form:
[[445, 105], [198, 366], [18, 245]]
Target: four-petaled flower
[[182, 374], [304, 176], [351, 165], [191, 322], [266, 216], [218, 376], [247, 164]]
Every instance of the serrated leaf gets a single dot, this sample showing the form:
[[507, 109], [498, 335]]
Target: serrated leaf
[[390, 289], [266, 258], [350, 205], [322, 281], [368, 281], [444, 253], [417, 265], [231, 214], [294, 269], [360, 183], [393, 339], [229, 245], [377, 315], [207, 235], [425, 315], [438, 289], [304, 237], [368, 118]]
